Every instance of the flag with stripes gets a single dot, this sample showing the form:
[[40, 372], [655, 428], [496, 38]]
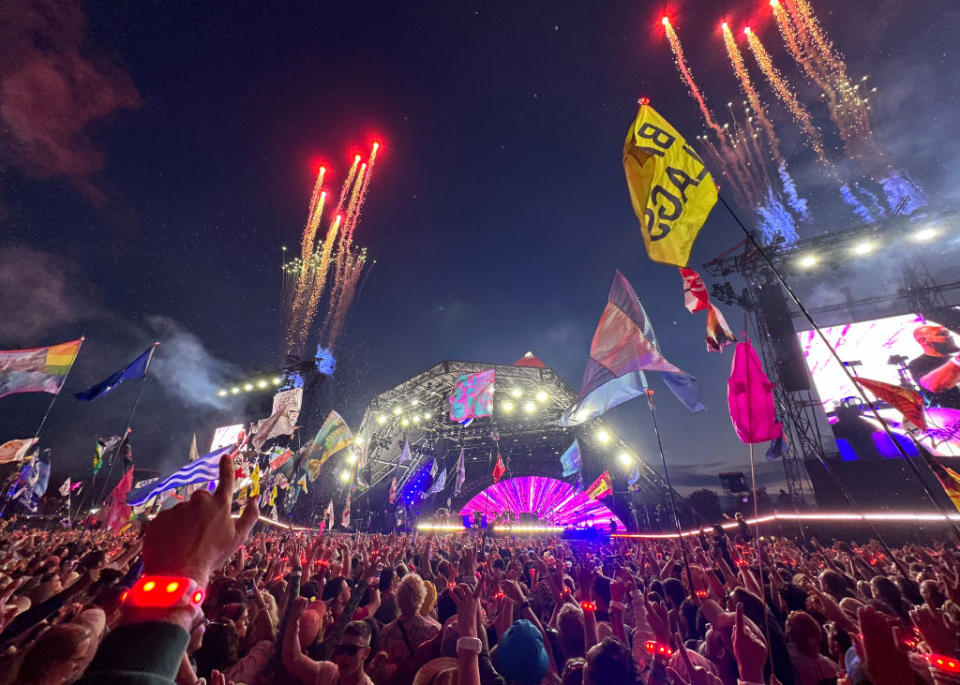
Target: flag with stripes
[[202, 470]]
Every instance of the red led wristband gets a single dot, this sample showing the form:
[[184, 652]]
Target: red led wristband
[[164, 592], [947, 664], [588, 606], [657, 648]]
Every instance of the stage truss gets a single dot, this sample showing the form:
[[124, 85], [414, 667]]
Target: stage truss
[[417, 411]]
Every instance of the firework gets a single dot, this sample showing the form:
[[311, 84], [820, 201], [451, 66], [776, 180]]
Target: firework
[[736, 60], [331, 269]]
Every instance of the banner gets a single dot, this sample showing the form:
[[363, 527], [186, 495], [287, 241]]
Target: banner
[[41, 369], [750, 398], [472, 396], [16, 450], [601, 487], [571, 460], [499, 469], [671, 190], [332, 437]]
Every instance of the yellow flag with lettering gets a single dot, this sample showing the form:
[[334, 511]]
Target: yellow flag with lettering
[[671, 190]]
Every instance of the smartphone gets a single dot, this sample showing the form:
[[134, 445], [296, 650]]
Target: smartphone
[[251, 588]]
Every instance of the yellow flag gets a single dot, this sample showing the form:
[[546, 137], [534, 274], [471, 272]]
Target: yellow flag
[[671, 190], [255, 481], [273, 496]]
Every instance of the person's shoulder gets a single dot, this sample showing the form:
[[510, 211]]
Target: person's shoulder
[[327, 673]]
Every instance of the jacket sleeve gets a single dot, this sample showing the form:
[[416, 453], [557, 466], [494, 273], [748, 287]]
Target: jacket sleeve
[[138, 654]]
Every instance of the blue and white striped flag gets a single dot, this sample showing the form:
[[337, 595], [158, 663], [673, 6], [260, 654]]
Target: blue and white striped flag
[[201, 470]]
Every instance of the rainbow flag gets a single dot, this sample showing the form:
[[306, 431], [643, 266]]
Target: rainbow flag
[[41, 369], [601, 487]]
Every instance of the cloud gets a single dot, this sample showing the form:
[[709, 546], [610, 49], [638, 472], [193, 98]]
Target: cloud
[[40, 291], [51, 91]]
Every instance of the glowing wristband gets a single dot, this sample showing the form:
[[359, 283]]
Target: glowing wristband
[[164, 592], [656, 648], [946, 664], [470, 644], [588, 606]]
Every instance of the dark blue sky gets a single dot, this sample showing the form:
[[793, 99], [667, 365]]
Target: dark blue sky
[[497, 215]]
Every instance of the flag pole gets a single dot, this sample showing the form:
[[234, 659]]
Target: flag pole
[[36, 435], [127, 431], [846, 371], [666, 473]]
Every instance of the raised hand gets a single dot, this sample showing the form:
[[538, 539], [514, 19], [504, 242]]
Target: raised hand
[[749, 649]]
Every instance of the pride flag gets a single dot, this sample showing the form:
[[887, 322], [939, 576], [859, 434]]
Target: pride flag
[[40, 369], [601, 487]]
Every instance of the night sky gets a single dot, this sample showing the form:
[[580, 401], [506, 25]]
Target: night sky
[[154, 157]]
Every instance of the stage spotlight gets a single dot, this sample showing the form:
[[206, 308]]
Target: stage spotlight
[[396, 411], [381, 419], [261, 384], [529, 407], [234, 390], [863, 248], [808, 261], [507, 406], [222, 393], [625, 458], [541, 396], [603, 436], [404, 422], [416, 419], [924, 235], [352, 457], [358, 440], [415, 403], [345, 476], [277, 380], [515, 393], [427, 415], [248, 387]]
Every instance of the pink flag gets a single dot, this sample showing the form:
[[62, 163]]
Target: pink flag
[[750, 396], [117, 509]]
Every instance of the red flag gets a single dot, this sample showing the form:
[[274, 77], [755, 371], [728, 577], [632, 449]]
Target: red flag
[[601, 487], [906, 401], [696, 299], [750, 398], [499, 469], [393, 491], [117, 510]]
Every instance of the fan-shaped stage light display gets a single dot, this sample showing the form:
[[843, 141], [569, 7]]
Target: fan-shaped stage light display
[[547, 499]]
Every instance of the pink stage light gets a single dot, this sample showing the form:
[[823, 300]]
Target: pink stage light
[[547, 499]]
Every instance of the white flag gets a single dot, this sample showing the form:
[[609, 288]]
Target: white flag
[[461, 474], [328, 515], [65, 488], [345, 517], [405, 454]]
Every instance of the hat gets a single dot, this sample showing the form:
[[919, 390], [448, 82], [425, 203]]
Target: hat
[[436, 671], [430, 599], [521, 656]]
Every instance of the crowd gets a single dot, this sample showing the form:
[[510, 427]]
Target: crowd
[[200, 596]]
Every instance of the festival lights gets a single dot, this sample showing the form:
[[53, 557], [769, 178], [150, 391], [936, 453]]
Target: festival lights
[[541, 396], [625, 458], [861, 249], [529, 407], [507, 406], [808, 261], [381, 419], [603, 436], [397, 411], [345, 476], [925, 234], [516, 393]]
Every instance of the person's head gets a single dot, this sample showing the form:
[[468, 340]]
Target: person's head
[[446, 607], [909, 590], [220, 648], [804, 633], [935, 340], [610, 661], [838, 640], [570, 628], [932, 594], [410, 594], [675, 592], [353, 648], [336, 593], [59, 655], [521, 657], [834, 584], [388, 581], [439, 671], [793, 596], [887, 591]]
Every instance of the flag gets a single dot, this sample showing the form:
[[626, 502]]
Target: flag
[[461, 474], [135, 369], [571, 460], [635, 475], [601, 487], [192, 454], [103, 446], [345, 516], [117, 509], [499, 469], [671, 190], [750, 398], [302, 483], [328, 515], [282, 458], [204, 469], [332, 437], [41, 369], [393, 491], [472, 396], [696, 299], [278, 423], [624, 346], [255, 481], [777, 447], [16, 450], [434, 467], [404, 453], [439, 483], [65, 488], [906, 401], [272, 498], [36, 481]]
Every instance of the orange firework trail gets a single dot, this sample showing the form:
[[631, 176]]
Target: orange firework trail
[[734, 161], [799, 113], [363, 189], [736, 59]]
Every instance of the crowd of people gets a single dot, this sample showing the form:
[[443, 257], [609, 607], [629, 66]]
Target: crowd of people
[[198, 595]]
